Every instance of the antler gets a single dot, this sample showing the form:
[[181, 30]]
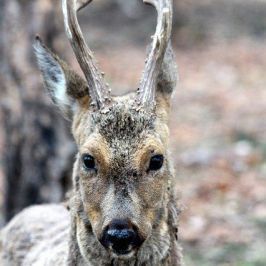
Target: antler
[[146, 91], [98, 90]]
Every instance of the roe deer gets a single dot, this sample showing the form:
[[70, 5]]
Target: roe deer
[[123, 208]]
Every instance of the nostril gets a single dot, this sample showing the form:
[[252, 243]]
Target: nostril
[[135, 229]]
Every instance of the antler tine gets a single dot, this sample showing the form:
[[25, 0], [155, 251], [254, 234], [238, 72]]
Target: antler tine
[[97, 88], [146, 92]]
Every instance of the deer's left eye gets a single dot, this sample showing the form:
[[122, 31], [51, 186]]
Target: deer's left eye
[[156, 162], [88, 162]]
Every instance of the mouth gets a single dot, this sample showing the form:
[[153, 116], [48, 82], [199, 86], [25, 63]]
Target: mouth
[[123, 253], [120, 250]]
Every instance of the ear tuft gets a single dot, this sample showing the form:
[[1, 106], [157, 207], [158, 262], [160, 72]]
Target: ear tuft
[[53, 75]]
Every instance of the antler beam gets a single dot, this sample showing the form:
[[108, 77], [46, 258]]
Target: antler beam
[[98, 90], [148, 84]]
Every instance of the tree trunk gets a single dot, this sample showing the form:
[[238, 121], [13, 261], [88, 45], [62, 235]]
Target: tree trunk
[[36, 148]]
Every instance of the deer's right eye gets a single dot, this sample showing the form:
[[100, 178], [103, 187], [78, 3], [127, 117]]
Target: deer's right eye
[[88, 162]]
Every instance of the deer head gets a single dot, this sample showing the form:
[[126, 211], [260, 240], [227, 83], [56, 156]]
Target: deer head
[[122, 175]]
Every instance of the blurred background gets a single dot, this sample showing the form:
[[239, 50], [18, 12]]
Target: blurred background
[[218, 124]]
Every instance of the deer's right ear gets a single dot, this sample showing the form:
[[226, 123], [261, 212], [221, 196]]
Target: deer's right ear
[[63, 84]]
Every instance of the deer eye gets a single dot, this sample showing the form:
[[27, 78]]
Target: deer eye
[[88, 162], [156, 162]]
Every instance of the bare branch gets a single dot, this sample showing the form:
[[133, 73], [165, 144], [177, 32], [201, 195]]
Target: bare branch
[[148, 84], [98, 90]]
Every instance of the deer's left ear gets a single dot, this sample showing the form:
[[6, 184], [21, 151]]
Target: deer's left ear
[[168, 75], [63, 84], [167, 81]]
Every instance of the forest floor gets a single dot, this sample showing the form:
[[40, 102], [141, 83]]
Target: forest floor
[[218, 142]]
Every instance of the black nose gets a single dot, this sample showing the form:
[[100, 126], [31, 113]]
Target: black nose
[[121, 236]]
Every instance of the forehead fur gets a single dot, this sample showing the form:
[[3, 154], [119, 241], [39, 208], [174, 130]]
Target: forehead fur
[[122, 127], [123, 122]]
